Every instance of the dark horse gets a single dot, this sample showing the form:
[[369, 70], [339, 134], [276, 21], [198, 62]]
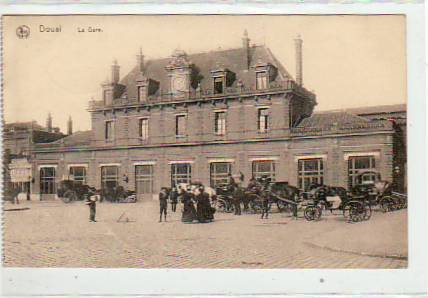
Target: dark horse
[[284, 195]]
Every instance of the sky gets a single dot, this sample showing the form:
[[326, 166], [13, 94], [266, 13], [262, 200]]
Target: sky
[[348, 61]]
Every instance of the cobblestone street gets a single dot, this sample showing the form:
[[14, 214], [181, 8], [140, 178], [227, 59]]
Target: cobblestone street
[[53, 234]]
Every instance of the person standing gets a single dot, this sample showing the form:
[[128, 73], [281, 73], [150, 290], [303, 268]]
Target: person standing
[[265, 197], [173, 196], [237, 195], [163, 203], [28, 193], [265, 205], [92, 203]]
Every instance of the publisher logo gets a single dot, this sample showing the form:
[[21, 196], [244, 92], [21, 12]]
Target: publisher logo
[[23, 32]]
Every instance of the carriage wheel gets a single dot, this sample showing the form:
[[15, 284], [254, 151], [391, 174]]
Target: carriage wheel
[[345, 211], [312, 213], [385, 204], [368, 210], [69, 196], [357, 212], [220, 205], [403, 202]]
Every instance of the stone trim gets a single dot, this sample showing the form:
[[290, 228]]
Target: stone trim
[[310, 156], [349, 154]]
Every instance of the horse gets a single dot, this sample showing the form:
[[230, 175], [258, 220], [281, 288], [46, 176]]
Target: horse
[[194, 189]]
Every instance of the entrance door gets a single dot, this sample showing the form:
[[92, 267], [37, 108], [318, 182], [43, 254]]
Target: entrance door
[[47, 183]]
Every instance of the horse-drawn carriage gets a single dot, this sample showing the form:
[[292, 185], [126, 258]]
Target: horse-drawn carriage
[[336, 200], [378, 192], [118, 195], [70, 191], [224, 198]]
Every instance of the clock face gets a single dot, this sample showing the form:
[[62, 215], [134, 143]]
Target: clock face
[[179, 84]]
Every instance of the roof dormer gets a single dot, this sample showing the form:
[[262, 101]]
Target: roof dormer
[[265, 74], [222, 78]]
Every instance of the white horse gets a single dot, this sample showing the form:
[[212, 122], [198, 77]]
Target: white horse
[[194, 188]]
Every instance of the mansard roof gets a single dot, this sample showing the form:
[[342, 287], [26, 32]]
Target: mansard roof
[[203, 64], [328, 120]]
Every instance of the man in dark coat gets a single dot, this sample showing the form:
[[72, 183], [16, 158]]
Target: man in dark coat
[[92, 199], [265, 196], [237, 196], [163, 203], [173, 196]]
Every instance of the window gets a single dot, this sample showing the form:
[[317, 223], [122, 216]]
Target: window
[[109, 130], [358, 165], [261, 80], [219, 173], [181, 173], [218, 85], [180, 125], [47, 180], [264, 168], [144, 129], [144, 179], [310, 171], [78, 174], [141, 93], [109, 177], [263, 120], [220, 123]]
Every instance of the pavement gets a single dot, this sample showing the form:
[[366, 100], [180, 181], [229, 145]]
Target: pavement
[[54, 234]]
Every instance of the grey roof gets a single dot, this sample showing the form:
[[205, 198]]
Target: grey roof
[[79, 138], [204, 63], [382, 109], [337, 119]]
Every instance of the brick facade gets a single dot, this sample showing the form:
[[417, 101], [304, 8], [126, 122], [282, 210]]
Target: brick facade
[[293, 131]]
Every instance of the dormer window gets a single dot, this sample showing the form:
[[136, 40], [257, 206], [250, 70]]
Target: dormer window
[[261, 80], [265, 74], [218, 85], [222, 78]]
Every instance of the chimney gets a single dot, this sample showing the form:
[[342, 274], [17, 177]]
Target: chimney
[[299, 75], [69, 126], [49, 123], [140, 61], [246, 46], [115, 72]]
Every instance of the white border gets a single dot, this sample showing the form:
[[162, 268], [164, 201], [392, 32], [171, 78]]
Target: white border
[[130, 282]]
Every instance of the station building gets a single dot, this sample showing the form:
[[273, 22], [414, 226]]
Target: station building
[[203, 116]]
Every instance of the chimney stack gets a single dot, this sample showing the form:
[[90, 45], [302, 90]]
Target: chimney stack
[[299, 64], [115, 72], [49, 123], [246, 46], [140, 61], [69, 126]]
